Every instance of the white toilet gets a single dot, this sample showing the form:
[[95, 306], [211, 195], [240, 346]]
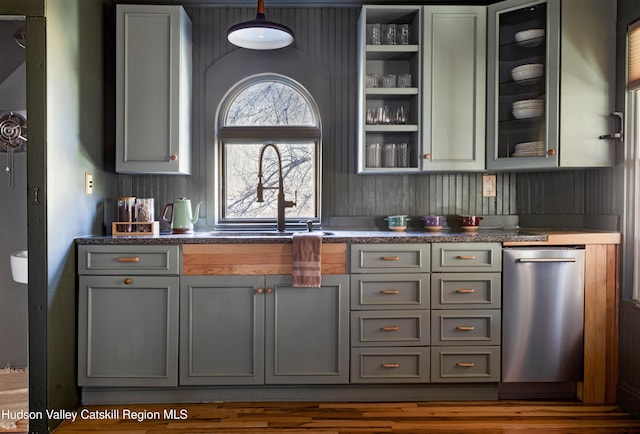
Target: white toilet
[[20, 266]]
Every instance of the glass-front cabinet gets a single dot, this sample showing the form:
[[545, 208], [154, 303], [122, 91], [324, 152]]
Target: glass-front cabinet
[[550, 84], [389, 89]]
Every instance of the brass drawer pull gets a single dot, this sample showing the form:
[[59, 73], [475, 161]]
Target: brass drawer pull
[[390, 258], [390, 328], [465, 290], [390, 291], [466, 328], [466, 364], [128, 281], [466, 257], [128, 259], [390, 365]]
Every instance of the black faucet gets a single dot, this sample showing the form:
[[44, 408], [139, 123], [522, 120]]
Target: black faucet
[[282, 203]]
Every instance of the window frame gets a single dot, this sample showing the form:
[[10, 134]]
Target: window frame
[[263, 135]]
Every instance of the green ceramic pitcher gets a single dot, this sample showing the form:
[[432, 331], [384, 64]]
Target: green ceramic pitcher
[[182, 218]]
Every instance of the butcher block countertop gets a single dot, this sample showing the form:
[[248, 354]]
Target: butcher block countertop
[[559, 237]]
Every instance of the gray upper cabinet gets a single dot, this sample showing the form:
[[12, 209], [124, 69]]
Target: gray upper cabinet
[[382, 64], [454, 88], [551, 78], [153, 90], [443, 124]]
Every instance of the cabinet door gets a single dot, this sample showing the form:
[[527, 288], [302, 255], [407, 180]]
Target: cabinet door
[[307, 332], [454, 87], [153, 92], [221, 330], [574, 88], [128, 331], [522, 109]]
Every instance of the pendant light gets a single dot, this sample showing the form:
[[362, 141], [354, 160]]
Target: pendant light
[[260, 34]]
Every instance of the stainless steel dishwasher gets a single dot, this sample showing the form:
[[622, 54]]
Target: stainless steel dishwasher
[[543, 314]]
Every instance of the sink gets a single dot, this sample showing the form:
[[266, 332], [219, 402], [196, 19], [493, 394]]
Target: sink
[[260, 233]]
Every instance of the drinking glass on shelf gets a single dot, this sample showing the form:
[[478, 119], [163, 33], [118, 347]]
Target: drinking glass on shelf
[[400, 116], [402, 34], [373, 155], [390, 80], [402, 154], [373, 80], [404, 80], [389, 34], [389, 155], [374, 34]]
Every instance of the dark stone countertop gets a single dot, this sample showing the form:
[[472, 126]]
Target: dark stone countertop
[[330, 236]]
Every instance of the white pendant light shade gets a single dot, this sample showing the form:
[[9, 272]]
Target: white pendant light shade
[[260, 34]]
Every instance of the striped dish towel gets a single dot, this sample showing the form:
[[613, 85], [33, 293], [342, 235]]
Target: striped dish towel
[[307, 259]]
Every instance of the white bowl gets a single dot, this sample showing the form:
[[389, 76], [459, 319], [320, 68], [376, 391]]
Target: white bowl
[[529, 38], [527, 73], [527, 112], [528, 103]]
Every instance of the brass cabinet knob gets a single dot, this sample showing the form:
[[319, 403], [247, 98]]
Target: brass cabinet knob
[[269, 290], [427, 156], [260, 291], [551, 152], [128, 281], [174, 157]]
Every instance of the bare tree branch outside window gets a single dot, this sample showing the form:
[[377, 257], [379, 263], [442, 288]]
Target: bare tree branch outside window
[[269, 103]]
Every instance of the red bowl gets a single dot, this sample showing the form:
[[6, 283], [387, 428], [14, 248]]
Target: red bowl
[[469, 220]]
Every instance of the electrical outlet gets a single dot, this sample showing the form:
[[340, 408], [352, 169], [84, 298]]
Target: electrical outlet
[[88, 183], [488, 185]]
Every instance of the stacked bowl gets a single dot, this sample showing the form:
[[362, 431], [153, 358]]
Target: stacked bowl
[[527, 74], [528, 108]]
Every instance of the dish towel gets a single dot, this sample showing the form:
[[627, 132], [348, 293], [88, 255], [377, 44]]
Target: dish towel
[[307, 260]]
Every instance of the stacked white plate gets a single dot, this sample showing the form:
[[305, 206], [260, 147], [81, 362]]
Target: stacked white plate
[[530, 37], [528, 108], [529, 149], [527, 74]]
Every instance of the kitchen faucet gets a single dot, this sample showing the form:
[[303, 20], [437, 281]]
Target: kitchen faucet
[[282, 203]]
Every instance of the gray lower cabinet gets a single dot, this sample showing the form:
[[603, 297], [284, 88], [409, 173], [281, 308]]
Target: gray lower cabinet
[[466, 301], [261, 330], [390, 317], [128, 331], [128, 315]]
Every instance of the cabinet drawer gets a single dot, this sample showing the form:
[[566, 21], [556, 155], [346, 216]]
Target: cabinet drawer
[[465, 327], [467, 257], [466, 290], [389, 291], [465, 364], [390, 258], [130, 259], [390, 365], [388, 328]]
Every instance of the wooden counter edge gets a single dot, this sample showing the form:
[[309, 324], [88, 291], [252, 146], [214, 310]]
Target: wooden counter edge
[[564, 238]]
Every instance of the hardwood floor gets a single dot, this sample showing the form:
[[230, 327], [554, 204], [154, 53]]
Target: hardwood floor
[[511, 417]]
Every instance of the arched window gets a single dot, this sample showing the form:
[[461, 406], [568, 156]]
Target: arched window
[[262, 109]]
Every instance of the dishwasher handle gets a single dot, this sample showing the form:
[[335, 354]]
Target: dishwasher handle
[[524, 260]]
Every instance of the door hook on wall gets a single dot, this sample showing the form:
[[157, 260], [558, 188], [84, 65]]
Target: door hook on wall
[[618, 135]]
